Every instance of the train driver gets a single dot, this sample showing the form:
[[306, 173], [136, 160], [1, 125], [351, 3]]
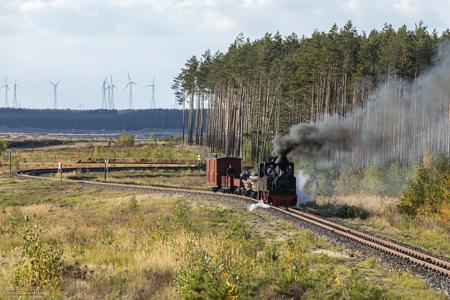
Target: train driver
[[230, 171]]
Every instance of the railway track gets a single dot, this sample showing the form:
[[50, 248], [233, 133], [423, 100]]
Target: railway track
[[406, 254]]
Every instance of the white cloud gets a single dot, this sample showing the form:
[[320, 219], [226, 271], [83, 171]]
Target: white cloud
[[80, 41], [31, 6], [215, 20]]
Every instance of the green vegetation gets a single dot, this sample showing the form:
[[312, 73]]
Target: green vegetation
[[126, 140], [3, 145], [112, 245], [409, 205], [188, 179], [428, 192], [376, 181], [284, 80], [97, 152], [424, 232], [41, 265]]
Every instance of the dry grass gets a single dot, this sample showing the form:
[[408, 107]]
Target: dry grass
[[373, 204], [188, 179], [135, 246], [384, 219], [96, 151]]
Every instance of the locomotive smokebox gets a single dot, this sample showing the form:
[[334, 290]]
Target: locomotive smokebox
[[282, 162]]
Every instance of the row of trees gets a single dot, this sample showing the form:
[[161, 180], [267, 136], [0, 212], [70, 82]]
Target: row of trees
[[257, 89], [91, 119]]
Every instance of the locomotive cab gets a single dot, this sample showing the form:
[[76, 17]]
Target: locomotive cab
[[279, 185]]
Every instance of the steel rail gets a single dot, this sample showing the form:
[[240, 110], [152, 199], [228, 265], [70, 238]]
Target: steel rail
[[413, 256]]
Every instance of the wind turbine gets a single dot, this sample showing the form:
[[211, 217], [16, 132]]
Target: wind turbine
[[152, 85], [15, 95], [55, 98], [104, 90], [111, 87], [130, 84], [6, 87]]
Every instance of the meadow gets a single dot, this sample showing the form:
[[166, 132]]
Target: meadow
[[69, 242], [94, 153], [186, 179]]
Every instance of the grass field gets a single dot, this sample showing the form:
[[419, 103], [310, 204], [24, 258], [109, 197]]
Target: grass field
[[71, 242], [74, 243], [72, 155], [188, 179]]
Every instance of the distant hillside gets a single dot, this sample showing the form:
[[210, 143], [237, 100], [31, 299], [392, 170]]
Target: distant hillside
[[91, 119]]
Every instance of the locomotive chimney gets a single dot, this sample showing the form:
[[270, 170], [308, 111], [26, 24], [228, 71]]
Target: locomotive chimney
[[282, 162]]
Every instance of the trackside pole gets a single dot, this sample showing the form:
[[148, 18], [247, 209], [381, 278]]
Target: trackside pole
[[10, 162], [106, 167], [60, 171]]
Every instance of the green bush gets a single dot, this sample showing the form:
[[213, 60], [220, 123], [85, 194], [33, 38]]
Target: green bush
[[41, 265], [107, 236], [428, 191], [205, 278], [348, 182], [182, 215], [350, 211], [3, 145], [326, 181], [125, 140], [374, 180], [133, 204], [297, 281]]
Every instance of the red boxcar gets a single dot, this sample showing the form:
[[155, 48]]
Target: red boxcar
[[217, 167]]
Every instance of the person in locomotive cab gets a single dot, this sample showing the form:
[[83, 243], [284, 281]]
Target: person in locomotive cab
[[230, 171]]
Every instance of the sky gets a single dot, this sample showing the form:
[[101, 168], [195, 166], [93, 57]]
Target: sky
[[80, 42]]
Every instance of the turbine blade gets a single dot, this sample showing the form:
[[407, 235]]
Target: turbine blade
[[129, 78]]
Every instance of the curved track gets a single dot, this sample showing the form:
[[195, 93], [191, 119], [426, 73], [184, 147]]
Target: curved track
[[406, 254]]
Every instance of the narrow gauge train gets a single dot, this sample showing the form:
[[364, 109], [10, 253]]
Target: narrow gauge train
[[274, 183]]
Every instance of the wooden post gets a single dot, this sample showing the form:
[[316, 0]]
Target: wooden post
[[10, 162], [60, 171], [106, 168]]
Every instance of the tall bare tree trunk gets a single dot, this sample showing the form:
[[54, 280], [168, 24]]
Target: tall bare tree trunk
[[191, 117]]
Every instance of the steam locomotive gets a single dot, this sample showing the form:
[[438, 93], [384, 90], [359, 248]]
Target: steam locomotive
[[274, 182]]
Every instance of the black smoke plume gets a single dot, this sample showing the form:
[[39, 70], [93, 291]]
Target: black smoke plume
[[314, 140]]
